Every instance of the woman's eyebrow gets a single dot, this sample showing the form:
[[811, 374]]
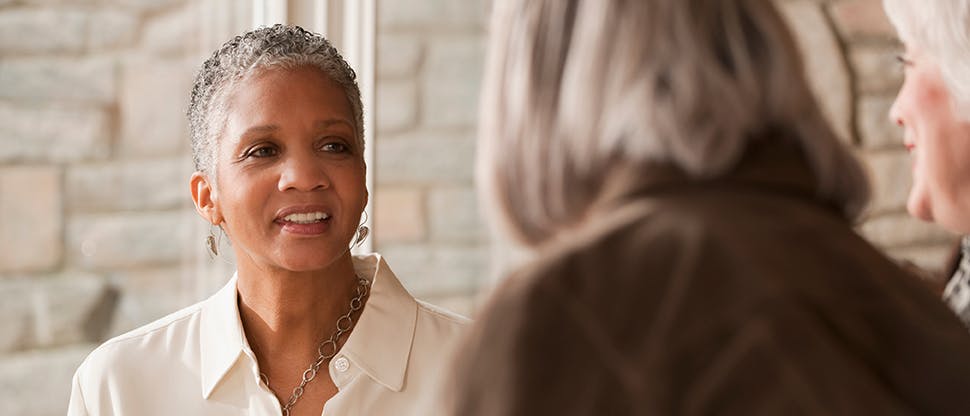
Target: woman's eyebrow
[[269, 128], [332, 121]]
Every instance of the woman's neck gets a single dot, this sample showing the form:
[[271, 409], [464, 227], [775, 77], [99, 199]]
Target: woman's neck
[[287, 314]]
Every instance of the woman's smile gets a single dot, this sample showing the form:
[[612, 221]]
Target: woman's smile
[[303, 220]]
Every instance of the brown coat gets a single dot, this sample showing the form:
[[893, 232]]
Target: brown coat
[[744, 295]]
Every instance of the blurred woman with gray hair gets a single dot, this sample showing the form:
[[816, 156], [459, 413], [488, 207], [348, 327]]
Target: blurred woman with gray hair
[[933, 108], [303, 327], [688, 214]]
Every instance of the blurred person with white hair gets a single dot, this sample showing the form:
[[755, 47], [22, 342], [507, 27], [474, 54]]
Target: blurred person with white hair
[[303, 327], [933, 109], [688, 217]]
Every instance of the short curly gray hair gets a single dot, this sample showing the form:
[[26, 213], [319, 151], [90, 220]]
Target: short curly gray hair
[[278, 46]]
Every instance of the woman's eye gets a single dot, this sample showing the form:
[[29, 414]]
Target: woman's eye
[[261, 152], [334, 147], [903, 60]]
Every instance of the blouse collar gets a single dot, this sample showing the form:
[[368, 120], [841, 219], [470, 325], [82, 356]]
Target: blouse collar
[[380, 343]]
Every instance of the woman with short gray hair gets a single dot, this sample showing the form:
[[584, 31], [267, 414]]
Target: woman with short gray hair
[[688, 218], [933, 109], [303, 327]]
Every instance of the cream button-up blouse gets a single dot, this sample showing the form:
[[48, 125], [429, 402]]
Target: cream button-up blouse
[[197, 361]]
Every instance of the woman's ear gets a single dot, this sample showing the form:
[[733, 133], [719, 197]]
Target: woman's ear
[[205, 199]]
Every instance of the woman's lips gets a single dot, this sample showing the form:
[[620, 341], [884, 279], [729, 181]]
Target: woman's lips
[[306, 217], [310, 228], [305, 221], [910, 147]]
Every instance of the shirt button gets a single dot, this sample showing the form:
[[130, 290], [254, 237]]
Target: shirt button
[[341, 364]]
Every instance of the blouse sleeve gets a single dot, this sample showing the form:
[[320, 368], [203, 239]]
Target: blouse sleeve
[[76, 406]]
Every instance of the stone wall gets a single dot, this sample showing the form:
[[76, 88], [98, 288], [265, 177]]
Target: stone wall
[[97, 235], [429, 58], [94, 218]]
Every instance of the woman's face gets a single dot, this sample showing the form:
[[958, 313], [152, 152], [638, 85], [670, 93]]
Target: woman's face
[[290, 176], [938, 140]]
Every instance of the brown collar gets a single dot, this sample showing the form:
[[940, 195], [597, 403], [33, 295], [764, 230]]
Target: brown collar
[[769, 165]]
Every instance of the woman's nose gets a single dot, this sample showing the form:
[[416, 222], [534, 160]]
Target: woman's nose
[[303, 173], [895, 114]]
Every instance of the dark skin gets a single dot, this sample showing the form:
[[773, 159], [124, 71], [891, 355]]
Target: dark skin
[[284, 367], [288, 190]]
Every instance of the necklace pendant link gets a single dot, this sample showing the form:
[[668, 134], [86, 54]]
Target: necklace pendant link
[[344, 324]]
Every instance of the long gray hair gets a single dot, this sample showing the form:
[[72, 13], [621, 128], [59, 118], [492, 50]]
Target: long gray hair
[[575, 87]]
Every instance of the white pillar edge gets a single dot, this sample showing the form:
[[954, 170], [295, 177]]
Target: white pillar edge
[[359, 24], [321, 17]]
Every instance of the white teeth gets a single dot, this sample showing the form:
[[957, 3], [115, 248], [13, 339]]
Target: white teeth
[[306, 218]]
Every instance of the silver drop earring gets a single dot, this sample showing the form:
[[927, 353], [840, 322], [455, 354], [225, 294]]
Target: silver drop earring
[[362, 232], [212, 244]]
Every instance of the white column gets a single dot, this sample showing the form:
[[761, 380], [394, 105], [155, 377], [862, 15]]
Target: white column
[[359, 49], [269, 12], [321, 17]]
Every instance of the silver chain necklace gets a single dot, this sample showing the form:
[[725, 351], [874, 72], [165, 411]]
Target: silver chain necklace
[[327, 348]]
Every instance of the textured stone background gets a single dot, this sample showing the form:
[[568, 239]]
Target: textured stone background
[[97, 235]]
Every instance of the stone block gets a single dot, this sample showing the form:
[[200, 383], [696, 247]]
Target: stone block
[[56, 2], [38, 383], [72, 310], [862, 19], [154, 95], [877, 131], [825, 65], [891, 177], [147, 6], [173, 33], [103, 242], [454, 216], [58, 79], [397, 106], [153, 184], [425, 158], [440, 14], [31, 220], [53, 133], [53, 311], [450, 82], [398, 55], [456, 269], [902, 231], [112, 29], [399, 215], [16, 327], [42, 31], [876, 70], [149, 294], [429, 271]]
